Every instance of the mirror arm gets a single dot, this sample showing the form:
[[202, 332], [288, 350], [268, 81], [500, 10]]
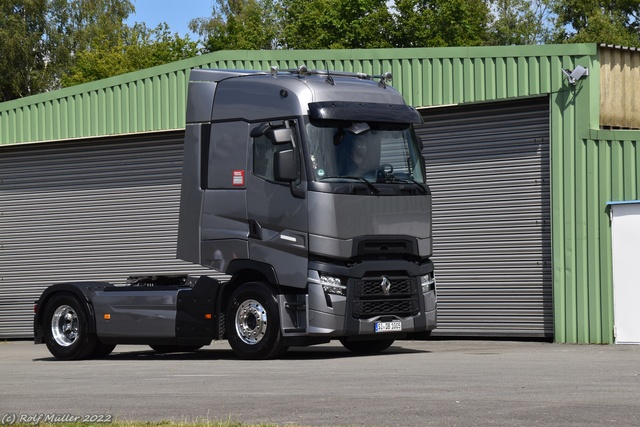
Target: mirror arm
[[296, 192]]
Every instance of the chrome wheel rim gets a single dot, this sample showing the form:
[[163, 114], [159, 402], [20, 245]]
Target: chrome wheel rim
[[251, 322], [64, 326]]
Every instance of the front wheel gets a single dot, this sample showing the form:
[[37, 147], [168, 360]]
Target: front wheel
[[253, 323], [66, 329], [366, 347]]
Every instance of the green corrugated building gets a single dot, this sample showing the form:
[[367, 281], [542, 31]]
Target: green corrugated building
[[522, 162]]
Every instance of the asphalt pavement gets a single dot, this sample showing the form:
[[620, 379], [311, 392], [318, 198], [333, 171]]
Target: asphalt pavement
[[414, 383]]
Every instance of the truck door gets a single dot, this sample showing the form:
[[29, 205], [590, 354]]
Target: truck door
[[277, 207]]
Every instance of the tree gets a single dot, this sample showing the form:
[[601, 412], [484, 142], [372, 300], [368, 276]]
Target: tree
[[431, 23], [40, 39], [598, 21], [134, 49], [520, 22], [92, 21], [239, 24], [336, 24], [30, 48], [45, 44]]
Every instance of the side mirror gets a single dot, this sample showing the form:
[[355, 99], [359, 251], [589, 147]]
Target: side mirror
[[277, 135], [284, 166]]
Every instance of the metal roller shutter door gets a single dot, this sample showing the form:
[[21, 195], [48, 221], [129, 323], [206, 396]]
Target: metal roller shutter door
[[488, 169], [93, 209]]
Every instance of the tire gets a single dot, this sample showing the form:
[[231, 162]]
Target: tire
[[253, 322], [366, 347], [102, 350], [175, 348], [66, 329]]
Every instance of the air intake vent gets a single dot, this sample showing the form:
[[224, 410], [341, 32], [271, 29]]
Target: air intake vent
[[385, 295], [382, 248]]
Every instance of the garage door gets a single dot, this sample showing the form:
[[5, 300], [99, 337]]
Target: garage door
[[93, 209], [488, 169]]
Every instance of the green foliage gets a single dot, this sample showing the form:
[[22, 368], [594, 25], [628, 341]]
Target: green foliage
[[342, 24], [46, 44], [434, 23], [96, 20], [336, 24], [598, 21], [105, 46], [239, 25], [30, 48], [134, 49], [345, 24], [520, 22]]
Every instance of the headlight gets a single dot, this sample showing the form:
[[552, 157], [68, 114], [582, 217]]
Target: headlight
[[332, 285], [428, 282]]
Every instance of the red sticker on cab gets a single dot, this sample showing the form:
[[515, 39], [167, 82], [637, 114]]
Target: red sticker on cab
[[238, 178]]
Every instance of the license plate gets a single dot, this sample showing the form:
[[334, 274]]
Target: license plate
[[388, 326]]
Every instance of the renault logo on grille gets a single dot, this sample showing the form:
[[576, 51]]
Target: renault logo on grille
[[386, 285]]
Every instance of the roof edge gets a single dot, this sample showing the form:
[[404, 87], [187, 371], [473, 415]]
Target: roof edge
[[204, 61]]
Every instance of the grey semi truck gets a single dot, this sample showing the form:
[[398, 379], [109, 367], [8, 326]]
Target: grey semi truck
[[307, 189]]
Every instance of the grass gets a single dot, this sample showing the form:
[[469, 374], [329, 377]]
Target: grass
[[151, 424]]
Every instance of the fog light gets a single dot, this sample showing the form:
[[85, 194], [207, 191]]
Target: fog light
[[332, 285], [428, 282]]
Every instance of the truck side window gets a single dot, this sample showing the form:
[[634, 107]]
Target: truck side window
[[263, 151]]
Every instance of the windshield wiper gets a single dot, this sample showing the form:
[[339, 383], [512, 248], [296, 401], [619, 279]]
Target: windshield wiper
[[372, 187], [422, 188]]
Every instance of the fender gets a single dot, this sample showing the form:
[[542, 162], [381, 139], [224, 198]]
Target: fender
[[238, 265], [81, 290]]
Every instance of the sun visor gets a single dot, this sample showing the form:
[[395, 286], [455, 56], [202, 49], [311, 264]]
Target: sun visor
[[364, 112]]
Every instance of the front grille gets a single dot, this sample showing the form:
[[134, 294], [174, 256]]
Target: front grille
[[373, 287], [371, 300], [363, 309]]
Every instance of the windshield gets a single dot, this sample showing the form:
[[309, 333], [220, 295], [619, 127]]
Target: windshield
[[371, 151]]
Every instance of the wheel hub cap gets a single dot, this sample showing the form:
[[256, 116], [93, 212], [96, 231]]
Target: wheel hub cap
[[64, 325], [251, 322]]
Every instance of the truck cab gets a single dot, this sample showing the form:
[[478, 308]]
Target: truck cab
[[308, 190]]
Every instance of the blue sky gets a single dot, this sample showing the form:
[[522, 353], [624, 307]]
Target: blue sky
[[176, 13]]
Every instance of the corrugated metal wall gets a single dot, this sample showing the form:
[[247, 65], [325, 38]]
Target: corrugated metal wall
[[154, 99], [619, 87], [594, 171], [100, 209], [143, 104], [488, 169], [580, 152]]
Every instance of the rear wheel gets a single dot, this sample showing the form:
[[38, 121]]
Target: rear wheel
[[66, 329], [253, 323], [366, 347], [102, 350]]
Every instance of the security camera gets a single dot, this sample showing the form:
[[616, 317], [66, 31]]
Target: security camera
[[579, 72], [575, 75]]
